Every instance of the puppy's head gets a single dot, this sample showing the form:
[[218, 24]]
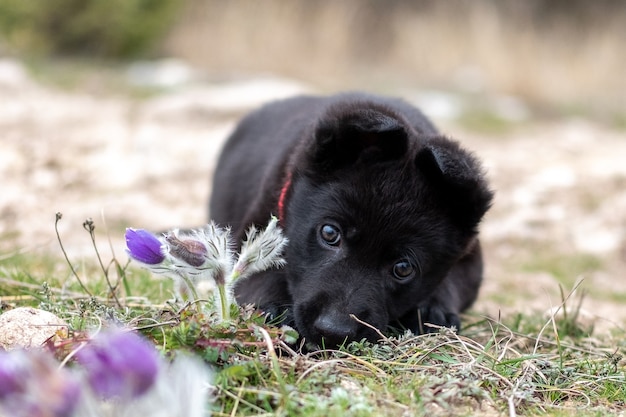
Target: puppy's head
[[377, 215]]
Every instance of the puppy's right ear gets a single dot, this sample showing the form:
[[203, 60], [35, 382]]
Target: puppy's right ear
[[456, 177], [364, 134]]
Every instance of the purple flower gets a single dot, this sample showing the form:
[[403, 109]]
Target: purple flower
[[11, 378], [62, 395], [119, 364], [32, 385], [143, 246]]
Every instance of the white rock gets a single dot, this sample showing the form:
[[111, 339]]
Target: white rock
[[26, 327]]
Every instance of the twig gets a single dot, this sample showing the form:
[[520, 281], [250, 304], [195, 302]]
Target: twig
[[274, 359], [511, 402], [378, 332], [90, 228], [552, 320], [14, 283], [59, 215], [328, 362], [243, 401], [538, 339], [121, 271]]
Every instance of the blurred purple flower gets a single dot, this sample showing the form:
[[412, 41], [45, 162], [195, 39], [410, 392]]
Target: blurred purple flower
[[11, 379], [32, 385], [143, 246], [119, 364]]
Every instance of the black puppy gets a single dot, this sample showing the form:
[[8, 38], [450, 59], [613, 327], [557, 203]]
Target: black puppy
[[381, 212]]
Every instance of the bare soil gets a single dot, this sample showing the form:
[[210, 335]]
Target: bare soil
[[559, 215]]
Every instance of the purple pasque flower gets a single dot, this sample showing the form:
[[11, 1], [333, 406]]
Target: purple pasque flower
[[32, 385], [11, 380], [197, 255], [119, 364], [143, 246]]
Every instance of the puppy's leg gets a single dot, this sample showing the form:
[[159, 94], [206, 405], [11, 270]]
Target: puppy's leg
[[456, 293], [267, 290]]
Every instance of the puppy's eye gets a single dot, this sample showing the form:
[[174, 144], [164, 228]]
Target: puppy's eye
[[403, 270], [330, 234]]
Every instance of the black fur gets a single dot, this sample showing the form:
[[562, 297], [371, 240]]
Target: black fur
[[401, 196]]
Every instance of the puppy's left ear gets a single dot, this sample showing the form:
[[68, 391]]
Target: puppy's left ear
[[457, 179], [346, 136]]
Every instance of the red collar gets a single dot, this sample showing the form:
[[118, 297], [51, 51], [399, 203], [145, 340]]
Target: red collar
[[283, 197]]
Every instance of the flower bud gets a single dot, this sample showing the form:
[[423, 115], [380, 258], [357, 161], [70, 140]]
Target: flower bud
[[190, 251], [143, 246]]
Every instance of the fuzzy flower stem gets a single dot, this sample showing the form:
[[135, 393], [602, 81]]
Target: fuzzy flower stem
[[190, 285], [260, 251], [234, 275], [224, 302]]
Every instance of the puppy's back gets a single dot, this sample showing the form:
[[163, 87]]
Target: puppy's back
[[251, 163]]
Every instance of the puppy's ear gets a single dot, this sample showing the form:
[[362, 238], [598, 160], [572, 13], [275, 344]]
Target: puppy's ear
[[344, 137], [456, 179]]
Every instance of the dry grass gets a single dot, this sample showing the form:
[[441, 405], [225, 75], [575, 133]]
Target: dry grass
[[523, 365]]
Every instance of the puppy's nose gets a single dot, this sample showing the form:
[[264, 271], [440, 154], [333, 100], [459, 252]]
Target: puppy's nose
[[335, 330]]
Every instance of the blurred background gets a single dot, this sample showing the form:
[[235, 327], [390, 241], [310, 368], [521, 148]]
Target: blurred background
[[562, 52], [566, 53], [117, 109]]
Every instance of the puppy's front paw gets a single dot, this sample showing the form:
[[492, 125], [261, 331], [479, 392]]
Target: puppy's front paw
[[437, 316], [278, 314]]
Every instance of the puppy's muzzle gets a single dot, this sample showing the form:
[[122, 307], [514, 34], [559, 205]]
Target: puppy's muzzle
[[335, 329]]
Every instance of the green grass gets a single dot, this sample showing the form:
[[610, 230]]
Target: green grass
[[486, 122], [565, 268], [525, 364], [112, 29]]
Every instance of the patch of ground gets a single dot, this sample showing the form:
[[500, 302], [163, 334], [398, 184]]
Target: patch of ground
[[559, 214]]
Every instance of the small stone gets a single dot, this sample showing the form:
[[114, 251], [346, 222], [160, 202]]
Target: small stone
[[27, 327]]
